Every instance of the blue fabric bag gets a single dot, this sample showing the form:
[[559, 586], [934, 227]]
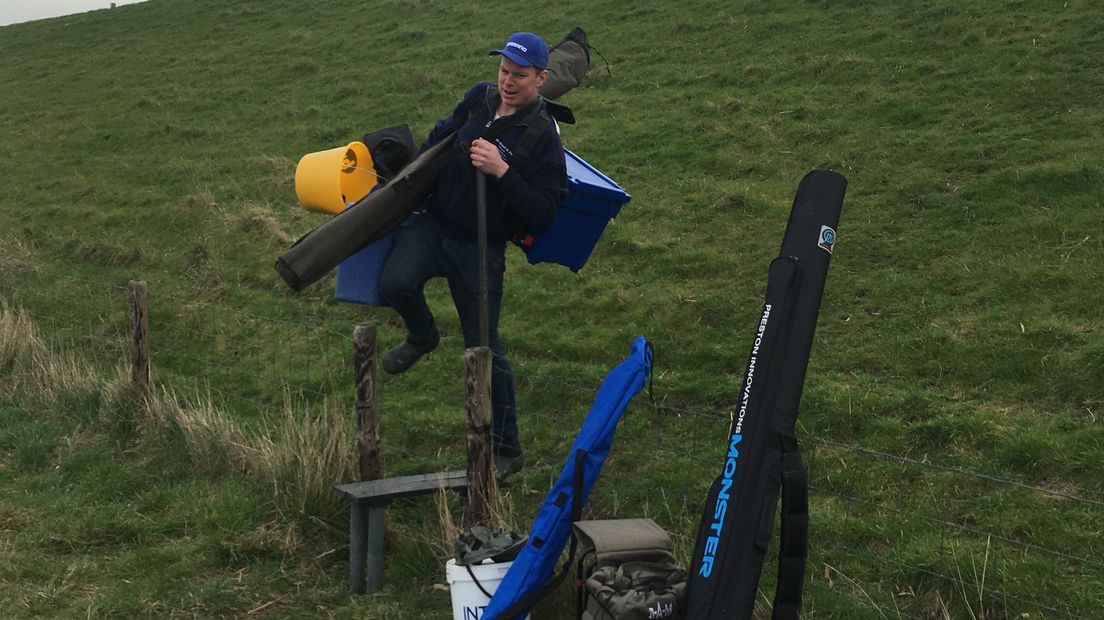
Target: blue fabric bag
[[530, 576]]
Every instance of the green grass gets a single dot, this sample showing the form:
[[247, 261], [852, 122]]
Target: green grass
[[960, 329]]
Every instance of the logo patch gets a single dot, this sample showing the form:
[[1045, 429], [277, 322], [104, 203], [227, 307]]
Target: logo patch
[[827, 239], [517, 45]]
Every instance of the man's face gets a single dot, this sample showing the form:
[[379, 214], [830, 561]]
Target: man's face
[[517, 84]]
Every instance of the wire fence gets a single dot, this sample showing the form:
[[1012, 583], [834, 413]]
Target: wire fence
[[873, 547]]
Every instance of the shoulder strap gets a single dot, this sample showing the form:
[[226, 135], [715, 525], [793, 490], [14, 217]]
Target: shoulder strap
[[537, 123], [794, 537]]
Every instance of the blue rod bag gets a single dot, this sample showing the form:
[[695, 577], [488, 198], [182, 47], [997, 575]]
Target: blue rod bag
[[532, 569]]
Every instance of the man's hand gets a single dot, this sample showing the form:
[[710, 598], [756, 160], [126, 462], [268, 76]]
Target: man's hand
[[486, 158]]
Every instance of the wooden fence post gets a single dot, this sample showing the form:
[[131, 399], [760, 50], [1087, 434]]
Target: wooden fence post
[[482, 486], [140, 348], [367, 523], [368, 437]]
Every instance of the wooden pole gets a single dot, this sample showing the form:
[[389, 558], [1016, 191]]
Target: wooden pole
[[367, 524], [484, 286], [368, 436], [482, 486], [139, 322]]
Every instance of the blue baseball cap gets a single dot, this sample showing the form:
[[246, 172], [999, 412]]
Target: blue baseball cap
[[526, 49]]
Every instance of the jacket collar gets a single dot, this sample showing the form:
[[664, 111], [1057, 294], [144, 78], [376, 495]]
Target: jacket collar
[[521, 116]]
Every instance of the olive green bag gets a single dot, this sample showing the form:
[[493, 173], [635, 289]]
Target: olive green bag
[[627, 571], [568, 62]]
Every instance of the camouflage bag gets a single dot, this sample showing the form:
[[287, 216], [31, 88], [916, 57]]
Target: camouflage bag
[[627, 571]]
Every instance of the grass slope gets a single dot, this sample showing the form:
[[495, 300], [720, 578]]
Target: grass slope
[[959, 343]]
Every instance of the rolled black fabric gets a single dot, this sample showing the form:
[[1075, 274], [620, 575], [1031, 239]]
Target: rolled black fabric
[[392, 148], [761, 452], [321, 250]]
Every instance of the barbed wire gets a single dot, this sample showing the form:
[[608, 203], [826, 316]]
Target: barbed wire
[[858, 449], [649, 402], [884, 610], [300, 316], [329, 341], [952, 525], [201, 389], [957, 581], [951, 469], [320, 324]]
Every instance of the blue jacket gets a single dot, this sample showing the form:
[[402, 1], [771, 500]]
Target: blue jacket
[[525, 198]]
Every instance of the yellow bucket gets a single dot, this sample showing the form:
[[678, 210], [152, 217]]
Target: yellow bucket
[[326, 181]]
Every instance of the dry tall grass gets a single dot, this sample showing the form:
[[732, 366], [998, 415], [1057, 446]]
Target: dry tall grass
[[500, 516], [304, 454], [301, 453], [27, 366], [15, 256]]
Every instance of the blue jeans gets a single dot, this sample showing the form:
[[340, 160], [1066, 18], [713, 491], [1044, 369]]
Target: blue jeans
[[421, 252]]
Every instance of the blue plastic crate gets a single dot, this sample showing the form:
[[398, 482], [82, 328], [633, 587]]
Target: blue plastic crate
[[593, 199], [358, 276]]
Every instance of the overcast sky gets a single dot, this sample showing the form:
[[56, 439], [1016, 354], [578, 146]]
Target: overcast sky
[[15, 11]]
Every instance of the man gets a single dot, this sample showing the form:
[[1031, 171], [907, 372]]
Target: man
[[525, 183]]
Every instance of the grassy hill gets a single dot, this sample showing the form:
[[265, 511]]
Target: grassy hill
[[950, 413]]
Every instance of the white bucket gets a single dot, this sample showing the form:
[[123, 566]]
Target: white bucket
[[468, 601]]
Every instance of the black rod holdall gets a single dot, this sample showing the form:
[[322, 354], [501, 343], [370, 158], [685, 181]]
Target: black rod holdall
[[761, 455]]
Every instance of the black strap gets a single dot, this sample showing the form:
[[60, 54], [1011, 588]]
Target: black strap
[[475, 580], [579, 36], [591, 47], [580, 583], [525, 603], [529, 139], [794, 538]]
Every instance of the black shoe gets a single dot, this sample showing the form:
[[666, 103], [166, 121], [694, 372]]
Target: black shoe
[[507, 465], [402, 357]]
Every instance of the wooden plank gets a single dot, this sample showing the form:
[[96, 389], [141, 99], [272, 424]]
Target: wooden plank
[[386, 489]]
